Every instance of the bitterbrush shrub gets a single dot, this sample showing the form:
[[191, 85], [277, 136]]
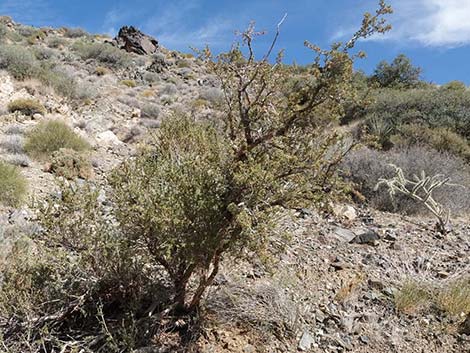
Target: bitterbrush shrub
[[13, 186], [50, 136]]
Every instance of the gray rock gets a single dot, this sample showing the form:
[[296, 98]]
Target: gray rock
[[369, 237], [306, 341], [343, 234]]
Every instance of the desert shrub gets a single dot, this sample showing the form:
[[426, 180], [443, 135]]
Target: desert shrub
[[75, 32], [130, 101], [182, 63], [440, 139], [50, 136], [15, 129], [213, 95], [103, 53], [454, 85], [150, 111], [101, 71], [364, 167], [26, 31], [18, 61], [60, 81], [26, 106], [128, 83], [12, 144], [151, 77], [168, 89], [80, 271], [13, 185], [85, 91], [3, 32], [434, 108], [214, 193], [21, 63], [70, 164], [20, 160], [42, 53], [56, 42]]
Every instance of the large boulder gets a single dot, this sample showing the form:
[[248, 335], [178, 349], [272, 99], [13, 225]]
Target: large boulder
[[134, 41]]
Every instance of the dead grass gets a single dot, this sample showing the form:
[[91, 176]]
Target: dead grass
[[412, 297], [454, 298]]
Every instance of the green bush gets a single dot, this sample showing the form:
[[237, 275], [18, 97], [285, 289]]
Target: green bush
[[103, 53], [50, 136], [432, 107], [56, 42], [60, 82], [13, 185], [441, 139], [3, 32], [20, 62], [400, 73], [26, 106]]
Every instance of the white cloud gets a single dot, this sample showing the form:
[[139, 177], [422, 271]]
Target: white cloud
[[437, 23], [446, 23]]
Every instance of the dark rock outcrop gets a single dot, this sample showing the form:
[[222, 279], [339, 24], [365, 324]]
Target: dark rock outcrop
[[465, 328], [134, 41]]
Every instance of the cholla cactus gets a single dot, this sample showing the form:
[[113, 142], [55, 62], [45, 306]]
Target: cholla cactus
[[419, 189]]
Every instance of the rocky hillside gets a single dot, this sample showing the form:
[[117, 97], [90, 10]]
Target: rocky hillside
[[352, 280]]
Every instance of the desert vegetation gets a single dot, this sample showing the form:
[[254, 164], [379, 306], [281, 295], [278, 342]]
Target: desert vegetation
[[228, 198]]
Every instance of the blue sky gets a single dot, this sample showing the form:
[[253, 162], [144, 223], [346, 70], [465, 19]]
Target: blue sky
[[434, 33]]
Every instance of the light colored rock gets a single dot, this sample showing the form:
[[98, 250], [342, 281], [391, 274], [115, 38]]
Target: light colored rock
[[345, 211], [6, 87], [343, 234], [108, 138], [306, 341]]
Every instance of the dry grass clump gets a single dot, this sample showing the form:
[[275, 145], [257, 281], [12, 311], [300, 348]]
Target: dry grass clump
[[101, 71], [129, 83], [412, 297], [50, 136], [26, 106], [454, 298], [451, 296], [265, 307], [13, 185]]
